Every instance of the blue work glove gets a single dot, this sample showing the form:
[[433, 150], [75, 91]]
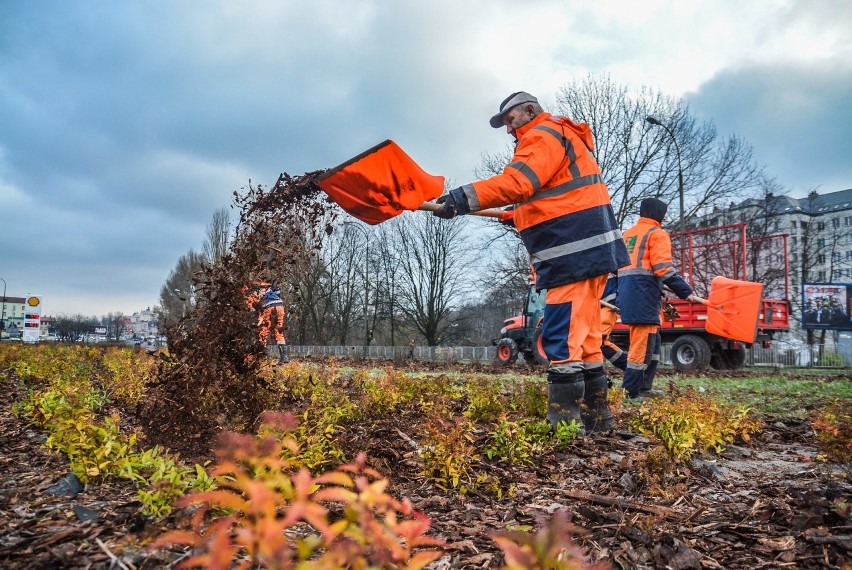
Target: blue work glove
[[453, 203]]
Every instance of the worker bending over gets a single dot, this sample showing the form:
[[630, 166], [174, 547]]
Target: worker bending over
[[271, 320]]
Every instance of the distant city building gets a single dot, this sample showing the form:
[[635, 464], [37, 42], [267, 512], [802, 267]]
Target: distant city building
[[819, 242], [13, 310], [820, 229], [143, 324], [47, 324]]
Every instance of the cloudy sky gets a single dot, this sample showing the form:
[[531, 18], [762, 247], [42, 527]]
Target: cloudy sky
[[124, 125]]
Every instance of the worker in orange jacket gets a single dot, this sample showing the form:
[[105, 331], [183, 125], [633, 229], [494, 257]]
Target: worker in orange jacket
[[639, 293], [565, 219]]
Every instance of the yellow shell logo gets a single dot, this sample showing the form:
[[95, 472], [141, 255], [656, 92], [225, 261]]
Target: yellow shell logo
[[33, 301]]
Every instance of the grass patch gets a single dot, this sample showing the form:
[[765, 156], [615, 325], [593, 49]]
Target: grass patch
[[789, 396]]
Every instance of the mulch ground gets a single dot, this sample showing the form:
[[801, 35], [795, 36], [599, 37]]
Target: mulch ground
[[767, 504]]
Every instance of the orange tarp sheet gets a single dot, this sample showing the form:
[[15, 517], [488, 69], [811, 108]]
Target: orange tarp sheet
[[380, 183], [734, 308]]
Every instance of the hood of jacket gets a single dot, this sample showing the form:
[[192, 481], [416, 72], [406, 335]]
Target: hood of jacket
[[582, 130]]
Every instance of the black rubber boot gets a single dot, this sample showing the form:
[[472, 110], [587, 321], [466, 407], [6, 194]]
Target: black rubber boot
[[648, 389], [648, 378], [632, 382], [282, 354], [595, 413], [564, 394]]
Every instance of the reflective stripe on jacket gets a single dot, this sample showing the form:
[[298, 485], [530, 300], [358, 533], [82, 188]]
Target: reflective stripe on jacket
[[640, 284], [563, 213]]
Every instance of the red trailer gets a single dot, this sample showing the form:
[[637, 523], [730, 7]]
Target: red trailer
[[699, 255]]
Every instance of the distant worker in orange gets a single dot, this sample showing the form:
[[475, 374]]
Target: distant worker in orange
[[564, 217], [640, 286], [271, 320]]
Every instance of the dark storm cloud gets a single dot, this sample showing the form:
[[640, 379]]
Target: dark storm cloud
[[794, 110], [798, 118], [125, 125]]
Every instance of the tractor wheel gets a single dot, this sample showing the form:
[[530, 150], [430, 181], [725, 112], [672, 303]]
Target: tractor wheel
[[507, 351], [690, 353], [538, 349]]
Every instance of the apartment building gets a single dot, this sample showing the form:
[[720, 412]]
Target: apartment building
[[819, 246], [818, 232]]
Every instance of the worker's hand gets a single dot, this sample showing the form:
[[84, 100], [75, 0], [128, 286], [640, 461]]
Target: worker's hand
[[453, 203], [508, 218], [694, 298]]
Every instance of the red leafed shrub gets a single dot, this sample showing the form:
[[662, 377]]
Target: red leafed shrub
[[256, 515], [551, 548]]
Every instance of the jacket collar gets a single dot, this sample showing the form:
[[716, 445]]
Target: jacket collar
[[537, 120], [581, 130], [651, 221]]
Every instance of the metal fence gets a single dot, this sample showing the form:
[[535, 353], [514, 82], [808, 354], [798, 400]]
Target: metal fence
[[430, 353], [756, 356]]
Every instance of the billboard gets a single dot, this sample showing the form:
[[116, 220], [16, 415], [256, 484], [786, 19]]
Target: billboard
[[827, 306], [32, 318]]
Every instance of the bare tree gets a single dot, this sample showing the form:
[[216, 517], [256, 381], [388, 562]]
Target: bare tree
[[433, 272], [638, 162], [177, 295], [348, 264], [741, 241], [387, 285], [217, 236], [71, 328], [314, 319], [115, 326]]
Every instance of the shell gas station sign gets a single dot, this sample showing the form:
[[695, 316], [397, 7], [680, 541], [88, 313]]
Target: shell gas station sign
[[32, 318]]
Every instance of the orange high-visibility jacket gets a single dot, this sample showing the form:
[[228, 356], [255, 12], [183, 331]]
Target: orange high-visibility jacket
[[563, 214], [640, 285]]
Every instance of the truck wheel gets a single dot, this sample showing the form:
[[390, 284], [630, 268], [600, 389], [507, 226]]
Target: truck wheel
[[507, 351], [690, 353], [538, 349]]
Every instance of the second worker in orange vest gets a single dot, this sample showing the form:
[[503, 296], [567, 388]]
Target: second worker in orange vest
[[565, 219], [640, 286]]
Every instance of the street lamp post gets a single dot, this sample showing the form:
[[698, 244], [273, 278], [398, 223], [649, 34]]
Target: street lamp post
[[366, 282], [654, 121]]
